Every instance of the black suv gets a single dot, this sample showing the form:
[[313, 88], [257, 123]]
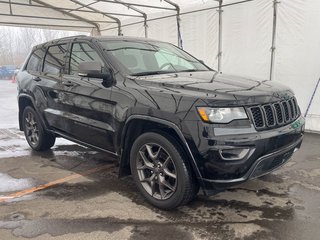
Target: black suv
[[175, 124]]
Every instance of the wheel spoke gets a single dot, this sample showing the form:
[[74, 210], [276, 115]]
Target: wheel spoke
[[144, 167], [169, 174], [152, 186], [166, 162], [151, 154], [161, 189], [147, 163], [166, 184], [35, 137], [149, 179]]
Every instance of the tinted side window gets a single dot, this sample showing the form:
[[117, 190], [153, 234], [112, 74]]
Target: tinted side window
[[35, 61], [55, 59], [82, 52]]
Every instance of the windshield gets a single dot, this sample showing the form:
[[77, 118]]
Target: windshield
[[147, 58]]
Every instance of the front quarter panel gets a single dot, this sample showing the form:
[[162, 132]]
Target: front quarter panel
[[129, 99]]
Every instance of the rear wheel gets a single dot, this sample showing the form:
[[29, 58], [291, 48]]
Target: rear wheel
[[37, 137], [161, 172]]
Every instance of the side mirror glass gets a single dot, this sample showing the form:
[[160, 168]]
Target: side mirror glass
[[94, 70]]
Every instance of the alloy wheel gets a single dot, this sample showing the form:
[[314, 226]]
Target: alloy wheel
[[157, 171], [32, 128]]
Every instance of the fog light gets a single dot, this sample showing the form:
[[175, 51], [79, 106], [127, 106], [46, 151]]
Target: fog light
[[233, 154]]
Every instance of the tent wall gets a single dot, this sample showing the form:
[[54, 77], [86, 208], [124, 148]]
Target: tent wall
[[200, 36], [246, 38], [298, 51]]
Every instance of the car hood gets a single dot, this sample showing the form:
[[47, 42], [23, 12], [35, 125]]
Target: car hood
[[215, 88]]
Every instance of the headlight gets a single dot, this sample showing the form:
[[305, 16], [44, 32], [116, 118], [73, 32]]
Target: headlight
[[221, 115]]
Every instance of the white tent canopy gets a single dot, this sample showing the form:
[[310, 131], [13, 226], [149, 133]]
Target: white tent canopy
[[266, 39]]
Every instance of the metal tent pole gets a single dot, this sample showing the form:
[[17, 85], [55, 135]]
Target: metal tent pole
[[178, 22], [117, 20], [312, 97], [274, 33], [143, 14], [220, 37]]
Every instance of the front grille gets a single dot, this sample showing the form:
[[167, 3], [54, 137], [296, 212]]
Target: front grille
[[274, 115]]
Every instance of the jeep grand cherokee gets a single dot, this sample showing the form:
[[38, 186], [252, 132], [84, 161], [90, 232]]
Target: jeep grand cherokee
[[174, 123]]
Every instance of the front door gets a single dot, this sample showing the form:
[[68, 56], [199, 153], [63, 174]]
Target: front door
[[86, 101]]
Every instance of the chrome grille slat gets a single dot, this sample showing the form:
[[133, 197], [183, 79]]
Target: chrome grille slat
[[286, 111], [257, 116], [292, 113], [279, 113], [269, 115], [274, 115], [295, 106]]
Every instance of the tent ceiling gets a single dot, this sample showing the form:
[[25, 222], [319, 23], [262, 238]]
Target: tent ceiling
[[85, 15]]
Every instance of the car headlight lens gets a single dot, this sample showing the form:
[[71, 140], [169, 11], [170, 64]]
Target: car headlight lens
[[221, 115]]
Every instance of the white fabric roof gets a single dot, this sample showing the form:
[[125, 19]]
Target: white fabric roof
[[84, 15]]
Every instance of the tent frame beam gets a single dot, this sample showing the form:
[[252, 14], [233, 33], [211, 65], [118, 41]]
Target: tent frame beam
[[15, 24], [138, 5], [274, 38], [66, 9], [143, 14], [79, 8], [50, 18], [177, 8], [10, 7], [220, 11]]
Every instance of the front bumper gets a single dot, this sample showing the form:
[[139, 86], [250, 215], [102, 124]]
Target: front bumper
[[262, 166], [267, 151]]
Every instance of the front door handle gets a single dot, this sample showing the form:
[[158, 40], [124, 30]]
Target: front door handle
[[37, 79], [68, 84]]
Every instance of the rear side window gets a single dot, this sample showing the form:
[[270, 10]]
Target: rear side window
[[82, 52], [55, 59], [35, 60]]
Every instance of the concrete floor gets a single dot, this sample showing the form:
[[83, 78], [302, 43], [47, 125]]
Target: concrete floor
[[95, 204]]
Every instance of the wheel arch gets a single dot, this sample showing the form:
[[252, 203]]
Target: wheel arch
[[25, 100], [138, 124]]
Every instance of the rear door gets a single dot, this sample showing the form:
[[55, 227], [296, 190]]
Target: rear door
[[41, 79], [86, 101], [30, 79]]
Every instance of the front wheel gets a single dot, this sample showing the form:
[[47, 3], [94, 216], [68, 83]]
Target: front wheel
[[161, 172], [37, 137]]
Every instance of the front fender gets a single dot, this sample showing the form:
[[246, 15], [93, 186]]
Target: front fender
[[176, 128]]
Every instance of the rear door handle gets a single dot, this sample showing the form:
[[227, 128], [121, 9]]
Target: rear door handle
[[68, 84], [37, 79]]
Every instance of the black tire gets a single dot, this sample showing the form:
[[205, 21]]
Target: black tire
[[37, 137], [183, 188]]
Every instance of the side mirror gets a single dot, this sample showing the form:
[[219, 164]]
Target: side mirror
[[94, 70]]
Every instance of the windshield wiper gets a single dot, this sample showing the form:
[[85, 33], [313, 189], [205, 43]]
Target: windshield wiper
[[193, 70], [151, 73]]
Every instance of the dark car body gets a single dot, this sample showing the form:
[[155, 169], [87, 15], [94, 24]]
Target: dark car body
[[108, 118]]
